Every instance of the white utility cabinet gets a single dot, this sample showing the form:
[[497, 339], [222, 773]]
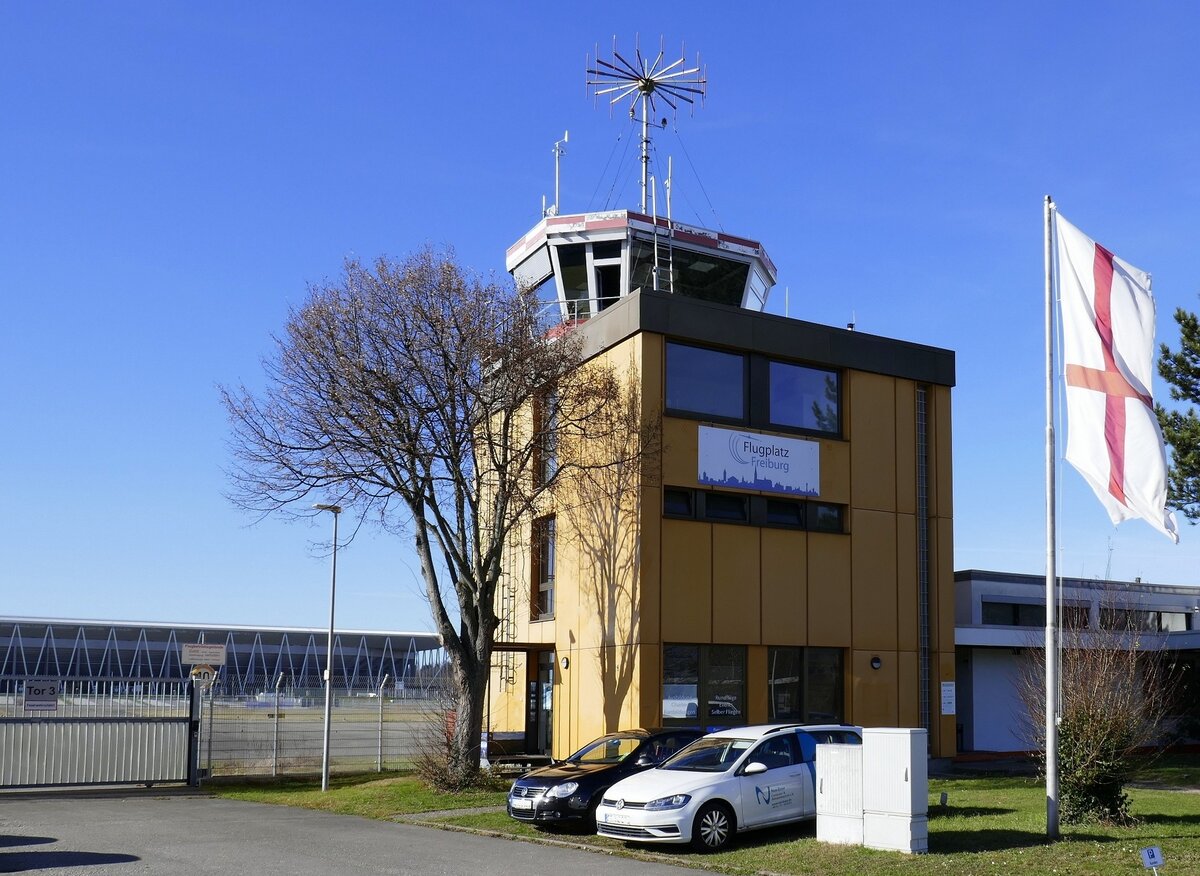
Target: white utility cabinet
[[896, 789], [840, 794]]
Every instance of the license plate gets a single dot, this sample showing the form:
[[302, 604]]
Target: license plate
[[521, 803], [616, 818]]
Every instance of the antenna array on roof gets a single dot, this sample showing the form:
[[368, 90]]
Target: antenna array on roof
[[647, 81]]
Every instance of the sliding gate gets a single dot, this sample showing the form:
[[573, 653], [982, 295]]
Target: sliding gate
[[95, 731]]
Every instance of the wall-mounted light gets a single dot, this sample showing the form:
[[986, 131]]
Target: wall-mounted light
[[565, 662], [876, 662]]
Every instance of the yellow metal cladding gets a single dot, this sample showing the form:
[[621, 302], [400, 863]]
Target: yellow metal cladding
[[621, 593]]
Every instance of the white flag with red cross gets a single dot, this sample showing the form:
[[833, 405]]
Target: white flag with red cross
[[1113, 437]]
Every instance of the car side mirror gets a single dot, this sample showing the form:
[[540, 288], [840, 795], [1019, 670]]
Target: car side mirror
[[754, 768], [645, 760]]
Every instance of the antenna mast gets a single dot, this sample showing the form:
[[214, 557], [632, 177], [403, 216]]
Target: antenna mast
[[645, 81], [559, 149]]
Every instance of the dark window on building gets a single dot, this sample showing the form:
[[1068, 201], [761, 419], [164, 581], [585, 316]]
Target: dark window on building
[[720, 507], [805, 685], [1076, 617], [704, 685], [542, 585], [709, 383], [753, 390], [823, 517], [1014, 614], [608, 285], [725, 507], [1140, 620], [781, 512], [1029, 614], [573, 275], [804, 398], [677, 503]]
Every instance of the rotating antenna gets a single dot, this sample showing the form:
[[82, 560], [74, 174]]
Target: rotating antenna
[[647, 81]]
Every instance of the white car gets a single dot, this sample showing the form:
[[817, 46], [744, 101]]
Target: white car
[[737, 779]]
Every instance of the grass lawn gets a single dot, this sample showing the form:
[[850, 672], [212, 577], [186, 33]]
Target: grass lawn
[[991, 825]]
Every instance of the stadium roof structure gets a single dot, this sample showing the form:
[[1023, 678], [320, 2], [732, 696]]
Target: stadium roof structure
[[257, 657]]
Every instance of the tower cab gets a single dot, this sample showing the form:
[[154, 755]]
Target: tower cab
[[581, 264]]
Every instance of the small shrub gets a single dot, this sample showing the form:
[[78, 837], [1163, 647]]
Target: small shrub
[[435, 762]]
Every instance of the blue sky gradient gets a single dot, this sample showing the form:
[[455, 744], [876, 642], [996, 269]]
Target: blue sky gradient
[[175, 174]]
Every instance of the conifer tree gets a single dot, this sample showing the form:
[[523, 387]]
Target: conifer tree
[[1181, 427]]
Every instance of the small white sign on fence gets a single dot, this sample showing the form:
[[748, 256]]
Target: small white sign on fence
[[41, 694], [200, 654]]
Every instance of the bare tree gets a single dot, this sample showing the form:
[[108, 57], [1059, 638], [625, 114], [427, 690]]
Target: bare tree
[[1114, 696], [404, 392]]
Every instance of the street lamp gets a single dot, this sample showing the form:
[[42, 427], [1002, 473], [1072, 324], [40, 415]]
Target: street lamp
[[335, 510]]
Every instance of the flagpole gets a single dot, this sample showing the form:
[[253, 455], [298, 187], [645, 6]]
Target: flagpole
[[1051, 571]]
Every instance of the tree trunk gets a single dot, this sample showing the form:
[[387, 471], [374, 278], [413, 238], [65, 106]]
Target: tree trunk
[[470, 680]]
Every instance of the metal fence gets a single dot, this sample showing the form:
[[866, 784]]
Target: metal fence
[[281, 732], [98, 731]]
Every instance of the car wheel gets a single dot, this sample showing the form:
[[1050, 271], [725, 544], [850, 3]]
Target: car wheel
[[589, 820], [713, 829]]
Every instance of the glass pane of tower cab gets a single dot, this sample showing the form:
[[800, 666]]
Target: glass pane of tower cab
[[584, 263]]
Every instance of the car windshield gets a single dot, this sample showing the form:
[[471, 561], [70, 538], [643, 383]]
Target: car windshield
[[607, 749], [712, 754]]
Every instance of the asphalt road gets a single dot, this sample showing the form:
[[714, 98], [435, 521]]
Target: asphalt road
[[146, 832]]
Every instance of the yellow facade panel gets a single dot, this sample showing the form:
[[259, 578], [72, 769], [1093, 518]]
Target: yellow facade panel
[[908, 689], [873, 450], [681, 447], [942, 493], [835, 472], [873, 561], [653, 364], [907, 637], [784, 587], [650, 567], [874, 694], [941, 552], [906, 447], [828, 590], [686, 581], [736, 585], [595, 714]]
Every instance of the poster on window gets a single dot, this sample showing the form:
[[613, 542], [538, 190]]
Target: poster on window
[[733, 458]]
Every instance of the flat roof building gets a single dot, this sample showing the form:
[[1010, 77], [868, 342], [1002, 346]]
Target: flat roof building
[[784, 553], [1001, 617]]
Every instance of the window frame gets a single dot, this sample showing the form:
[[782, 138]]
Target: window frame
[[806, 666], [757, 510], [756, 392], [542, 568], [707, 688], [773, 423], [706, 416]]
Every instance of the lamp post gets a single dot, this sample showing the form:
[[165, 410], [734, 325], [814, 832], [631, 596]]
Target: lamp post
[[335, 510]]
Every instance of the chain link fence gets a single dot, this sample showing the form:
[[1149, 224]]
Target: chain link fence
[[280, 732]]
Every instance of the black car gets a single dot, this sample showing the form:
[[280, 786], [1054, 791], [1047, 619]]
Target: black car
[[568, 792]]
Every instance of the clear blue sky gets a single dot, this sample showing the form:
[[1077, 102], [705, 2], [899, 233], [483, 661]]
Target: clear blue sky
[[172, 175]]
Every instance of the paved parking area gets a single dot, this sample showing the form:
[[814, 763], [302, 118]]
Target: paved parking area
[[148, 832]]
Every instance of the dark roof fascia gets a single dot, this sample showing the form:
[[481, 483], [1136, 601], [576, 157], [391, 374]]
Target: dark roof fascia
[[706, 322]]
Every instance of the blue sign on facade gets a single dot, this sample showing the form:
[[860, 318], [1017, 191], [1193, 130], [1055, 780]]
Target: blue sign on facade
[[748, 460]]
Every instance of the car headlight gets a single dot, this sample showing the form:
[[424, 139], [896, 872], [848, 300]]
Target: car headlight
[[675, 801], [566, 789]]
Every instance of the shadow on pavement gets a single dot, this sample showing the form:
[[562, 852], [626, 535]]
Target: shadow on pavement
[[19, 862], [6, 841]]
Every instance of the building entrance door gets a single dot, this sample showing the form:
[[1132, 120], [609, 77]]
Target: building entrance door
[[539, 704]]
